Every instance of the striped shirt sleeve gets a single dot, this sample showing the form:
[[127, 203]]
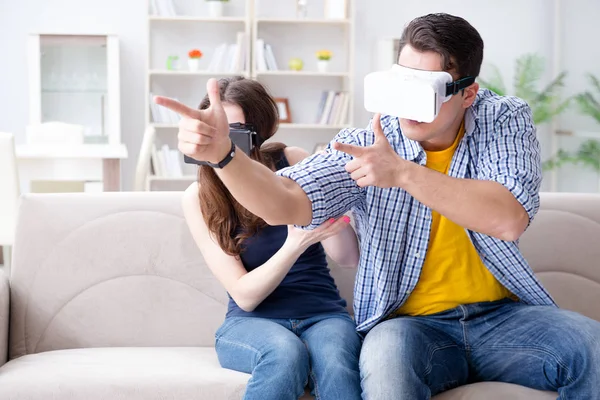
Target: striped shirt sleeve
[[513, 159], [324, 179]]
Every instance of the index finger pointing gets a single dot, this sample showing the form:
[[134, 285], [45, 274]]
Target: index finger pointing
[[355, 151], [178, 107]]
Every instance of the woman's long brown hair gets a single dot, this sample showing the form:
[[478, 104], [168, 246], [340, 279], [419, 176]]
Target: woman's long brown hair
[[228, 221]]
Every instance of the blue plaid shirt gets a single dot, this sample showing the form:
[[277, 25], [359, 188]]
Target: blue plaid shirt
[[499, 145]]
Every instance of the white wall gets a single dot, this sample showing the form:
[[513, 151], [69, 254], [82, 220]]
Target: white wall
[[509, 28], [127, 19]]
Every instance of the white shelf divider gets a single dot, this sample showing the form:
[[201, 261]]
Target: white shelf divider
[[154, 178], [166, 72], [178, 18], [312, 126], [305, 74], [307, 21]]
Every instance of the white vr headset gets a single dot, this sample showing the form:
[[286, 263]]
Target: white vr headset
[[411, 93]]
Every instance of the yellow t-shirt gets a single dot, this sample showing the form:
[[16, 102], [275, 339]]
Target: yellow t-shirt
[[452, 273]]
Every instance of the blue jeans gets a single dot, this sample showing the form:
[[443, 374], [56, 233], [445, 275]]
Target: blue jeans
[[541, 347], [283, 355]]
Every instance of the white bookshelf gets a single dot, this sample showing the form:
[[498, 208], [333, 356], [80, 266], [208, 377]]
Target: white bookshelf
[[292, 36], [187, 25], [289, 36]]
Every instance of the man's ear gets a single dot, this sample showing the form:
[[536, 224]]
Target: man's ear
[[469, 95]]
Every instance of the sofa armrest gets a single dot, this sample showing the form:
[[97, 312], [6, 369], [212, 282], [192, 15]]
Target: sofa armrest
[[4, 317]]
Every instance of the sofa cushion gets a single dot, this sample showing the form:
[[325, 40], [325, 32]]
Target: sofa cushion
[[495, 391], [160, 373], [121, 373]]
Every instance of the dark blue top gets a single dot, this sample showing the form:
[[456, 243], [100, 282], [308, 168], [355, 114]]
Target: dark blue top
[[307, 290]]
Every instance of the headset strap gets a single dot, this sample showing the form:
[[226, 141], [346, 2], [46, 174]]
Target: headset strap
[[453, 88]]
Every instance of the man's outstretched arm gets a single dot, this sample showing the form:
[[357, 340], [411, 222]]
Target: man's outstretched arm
[[204, 136], [500, 201], [306, 194], [277, 200]]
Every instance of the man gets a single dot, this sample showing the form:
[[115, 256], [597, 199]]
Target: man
[[442, 291]]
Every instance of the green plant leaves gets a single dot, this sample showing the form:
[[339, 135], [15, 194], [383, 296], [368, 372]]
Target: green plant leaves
[[547, 103], [529, 68]]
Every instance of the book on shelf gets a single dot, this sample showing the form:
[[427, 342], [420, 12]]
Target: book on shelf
[[231, 57], [333, 108], [265, 58], [166, 162], [162, 115], [163, 8]]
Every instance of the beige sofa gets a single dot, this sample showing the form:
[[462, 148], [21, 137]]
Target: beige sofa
[[110, 298]]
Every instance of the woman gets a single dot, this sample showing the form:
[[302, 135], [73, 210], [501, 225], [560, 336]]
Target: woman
[[286, 323]]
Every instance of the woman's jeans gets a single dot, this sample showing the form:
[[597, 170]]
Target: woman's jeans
[[283, 355]]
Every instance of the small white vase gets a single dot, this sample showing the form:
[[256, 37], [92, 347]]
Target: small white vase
[[322, 65], [215, 8], [193, 64]]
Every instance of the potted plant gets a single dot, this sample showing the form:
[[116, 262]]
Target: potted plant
[[588, 104], [323, 57], [194, 57], [529, 68], [588, 153], [215, 8]]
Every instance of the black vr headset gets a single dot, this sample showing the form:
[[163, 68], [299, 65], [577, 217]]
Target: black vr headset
[[242, 135]]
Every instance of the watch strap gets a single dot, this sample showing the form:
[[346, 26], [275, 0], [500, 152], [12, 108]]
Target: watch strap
[[226, 160]]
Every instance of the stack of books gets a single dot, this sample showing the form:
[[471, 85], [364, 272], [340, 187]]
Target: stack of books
[[333, 108], [265, 59]]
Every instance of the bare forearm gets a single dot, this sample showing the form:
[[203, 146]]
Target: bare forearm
[[343, 248], [277, 200], [252, 288], [482, 206]]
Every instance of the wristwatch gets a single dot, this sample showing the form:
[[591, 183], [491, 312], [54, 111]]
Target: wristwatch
[[225, 160]]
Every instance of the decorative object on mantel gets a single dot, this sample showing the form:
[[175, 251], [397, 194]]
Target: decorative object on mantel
[[194, 59], [215, 8], [336, 9], [172, 63], [301, 8], [283, 107], [323, 57], [296, 64]]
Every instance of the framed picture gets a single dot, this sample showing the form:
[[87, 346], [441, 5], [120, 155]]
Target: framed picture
[[283, 107], [336, 9]]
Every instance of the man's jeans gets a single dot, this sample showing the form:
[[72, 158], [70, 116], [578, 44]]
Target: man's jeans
[[540, 347], [282, 354]]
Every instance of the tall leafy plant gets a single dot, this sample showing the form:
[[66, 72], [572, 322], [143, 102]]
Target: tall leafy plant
[[545, 103], [588, 104], [588, 153]]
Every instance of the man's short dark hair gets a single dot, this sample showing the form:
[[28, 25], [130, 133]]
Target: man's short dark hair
[[456, 40]]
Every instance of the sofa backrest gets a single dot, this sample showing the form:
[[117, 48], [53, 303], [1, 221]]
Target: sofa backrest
[[121, 269], [109, 269], [562, 245]]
